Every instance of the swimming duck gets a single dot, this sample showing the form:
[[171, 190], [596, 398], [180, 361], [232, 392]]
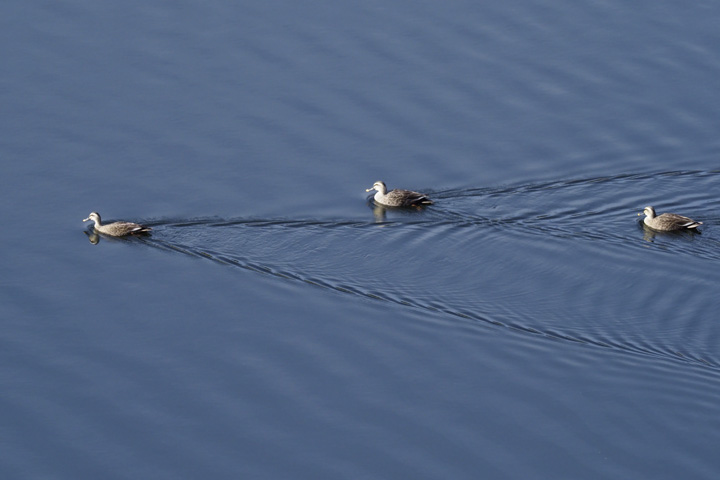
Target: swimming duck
[[398, 197], [117, 229], [667, 221]]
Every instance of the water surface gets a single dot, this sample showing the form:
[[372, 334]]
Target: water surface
[[279, 325]]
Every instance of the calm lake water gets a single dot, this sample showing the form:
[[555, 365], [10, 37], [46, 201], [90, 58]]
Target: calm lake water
[[277, 324]]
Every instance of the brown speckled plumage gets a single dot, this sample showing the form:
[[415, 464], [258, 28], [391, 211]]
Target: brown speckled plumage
[[667, 221], [398, 197], [116, 229]]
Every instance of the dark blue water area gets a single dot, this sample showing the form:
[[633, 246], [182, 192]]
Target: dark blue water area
[[277, 323]]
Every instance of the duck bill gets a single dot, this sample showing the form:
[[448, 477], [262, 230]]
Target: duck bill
[[86, 219]]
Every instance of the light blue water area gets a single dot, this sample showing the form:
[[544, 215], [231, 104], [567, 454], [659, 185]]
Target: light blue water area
[[277, 323]]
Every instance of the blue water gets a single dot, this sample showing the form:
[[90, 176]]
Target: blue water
[[277, 324]]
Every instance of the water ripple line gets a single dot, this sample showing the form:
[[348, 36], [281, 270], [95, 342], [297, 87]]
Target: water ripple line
[[435, 307]]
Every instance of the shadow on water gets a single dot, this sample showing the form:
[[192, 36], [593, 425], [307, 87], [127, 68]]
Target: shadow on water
[[650, 235], [94, 237], [479, 254], [380, 212]]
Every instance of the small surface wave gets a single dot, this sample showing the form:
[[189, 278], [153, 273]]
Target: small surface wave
[[565, 260]]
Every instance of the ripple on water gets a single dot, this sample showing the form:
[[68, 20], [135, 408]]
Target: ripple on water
[[565, 259]]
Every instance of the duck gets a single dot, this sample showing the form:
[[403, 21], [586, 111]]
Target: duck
[[667, 222], [398, 197], [117, 229]]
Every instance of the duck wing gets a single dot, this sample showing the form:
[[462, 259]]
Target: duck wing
[[126, 228], [408, 198], [675, 221]]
